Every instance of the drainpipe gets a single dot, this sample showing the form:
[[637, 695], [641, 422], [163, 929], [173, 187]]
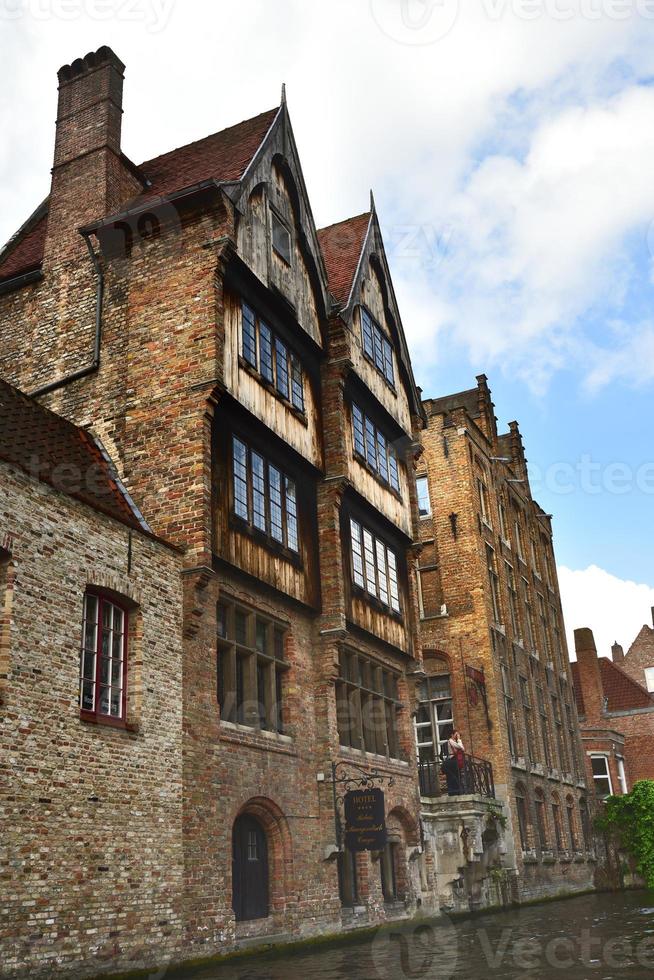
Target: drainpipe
[[95, 363]]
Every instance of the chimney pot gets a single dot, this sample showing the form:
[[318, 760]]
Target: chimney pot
[[585, 641], [617, 653]]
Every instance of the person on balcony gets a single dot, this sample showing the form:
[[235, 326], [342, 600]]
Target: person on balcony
[[457, 757]]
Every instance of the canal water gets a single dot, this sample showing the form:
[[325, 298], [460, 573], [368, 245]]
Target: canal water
[[593, 937]]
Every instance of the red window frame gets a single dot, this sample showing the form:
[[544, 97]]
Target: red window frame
[[96, 714]]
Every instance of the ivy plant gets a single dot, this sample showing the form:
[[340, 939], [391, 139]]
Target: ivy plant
[[631, 819]]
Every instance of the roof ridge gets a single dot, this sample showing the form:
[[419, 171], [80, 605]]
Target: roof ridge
[[203, 139], [345, 221]]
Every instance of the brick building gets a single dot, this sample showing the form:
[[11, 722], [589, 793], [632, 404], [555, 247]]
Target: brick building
[[616, 714], [187, 315], [494, 646], [638, 661], [91, 789]]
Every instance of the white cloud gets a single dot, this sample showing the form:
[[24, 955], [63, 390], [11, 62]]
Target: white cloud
[[530, 141], [614, 608]]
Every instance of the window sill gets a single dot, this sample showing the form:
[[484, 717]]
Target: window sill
[[270, 387], [106, 721], [260, 732], [376, 603], [486, 524], [529, 857], [381, 374], [362, 461], [374, 757], [239, 524]]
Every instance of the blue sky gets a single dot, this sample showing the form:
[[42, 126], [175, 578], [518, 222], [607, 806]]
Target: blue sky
[[510, 146]]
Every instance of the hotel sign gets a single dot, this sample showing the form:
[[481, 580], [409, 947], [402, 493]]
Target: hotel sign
[[365, 823]]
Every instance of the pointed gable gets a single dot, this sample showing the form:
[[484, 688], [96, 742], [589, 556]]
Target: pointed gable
[[622, 692], [342, 244], [223, 156]]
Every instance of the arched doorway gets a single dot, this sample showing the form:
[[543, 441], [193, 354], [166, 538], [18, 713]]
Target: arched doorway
[[249, 869]]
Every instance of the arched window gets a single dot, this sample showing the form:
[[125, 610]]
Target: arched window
[[103, 658], [249, 869]]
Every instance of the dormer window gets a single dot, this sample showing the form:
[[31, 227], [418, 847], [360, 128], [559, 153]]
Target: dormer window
[[377, 347], [281, 238]]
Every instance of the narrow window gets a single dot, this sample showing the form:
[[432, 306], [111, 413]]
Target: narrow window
[[388, 362], [281, 366], [249, 331], [424, 503], [523, 820], [266, 351], [275, 496], [281, 238], [393, 470], [371, 447], [297, 390], [369, 557], [291, 516], [103, 660], [382, 457], [366, 330], [357, 430], [357, 554], [258, 492], [241, 508]]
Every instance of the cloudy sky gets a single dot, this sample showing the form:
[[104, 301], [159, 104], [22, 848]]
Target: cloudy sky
[[510, 145]]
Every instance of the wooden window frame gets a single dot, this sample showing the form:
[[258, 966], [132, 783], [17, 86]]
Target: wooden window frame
[[376, 347], [95, 714], [423, 513], [281, 372], [277, 224], [289, 522], [366, 695], [375, 577], [368, 445], [244, 666]]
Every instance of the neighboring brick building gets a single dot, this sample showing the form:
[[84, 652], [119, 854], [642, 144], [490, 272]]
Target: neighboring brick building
[[638, 661], [616, 715], [493, 641], [91, 799], [250, 379]]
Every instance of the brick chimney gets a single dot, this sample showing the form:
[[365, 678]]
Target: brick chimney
[[590, 678], [617, 653], [89, 178]]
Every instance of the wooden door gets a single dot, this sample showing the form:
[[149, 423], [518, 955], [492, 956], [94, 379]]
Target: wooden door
[[249, 869]]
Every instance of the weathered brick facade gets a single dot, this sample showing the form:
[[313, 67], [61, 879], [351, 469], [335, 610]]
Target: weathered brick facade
[[92, 866], [492, 622], [136, 328]]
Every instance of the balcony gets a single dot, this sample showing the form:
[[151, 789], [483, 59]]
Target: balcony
[[475, 779]]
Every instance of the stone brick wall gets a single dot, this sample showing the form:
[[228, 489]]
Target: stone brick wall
[[92, 862]]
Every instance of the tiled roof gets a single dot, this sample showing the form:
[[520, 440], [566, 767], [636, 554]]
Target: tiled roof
[[623, 693], [223, 156], [341, 246], [53, 450], [27, 254]]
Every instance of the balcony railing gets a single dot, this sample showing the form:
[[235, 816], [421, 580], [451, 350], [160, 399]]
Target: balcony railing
[[475, 777]]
